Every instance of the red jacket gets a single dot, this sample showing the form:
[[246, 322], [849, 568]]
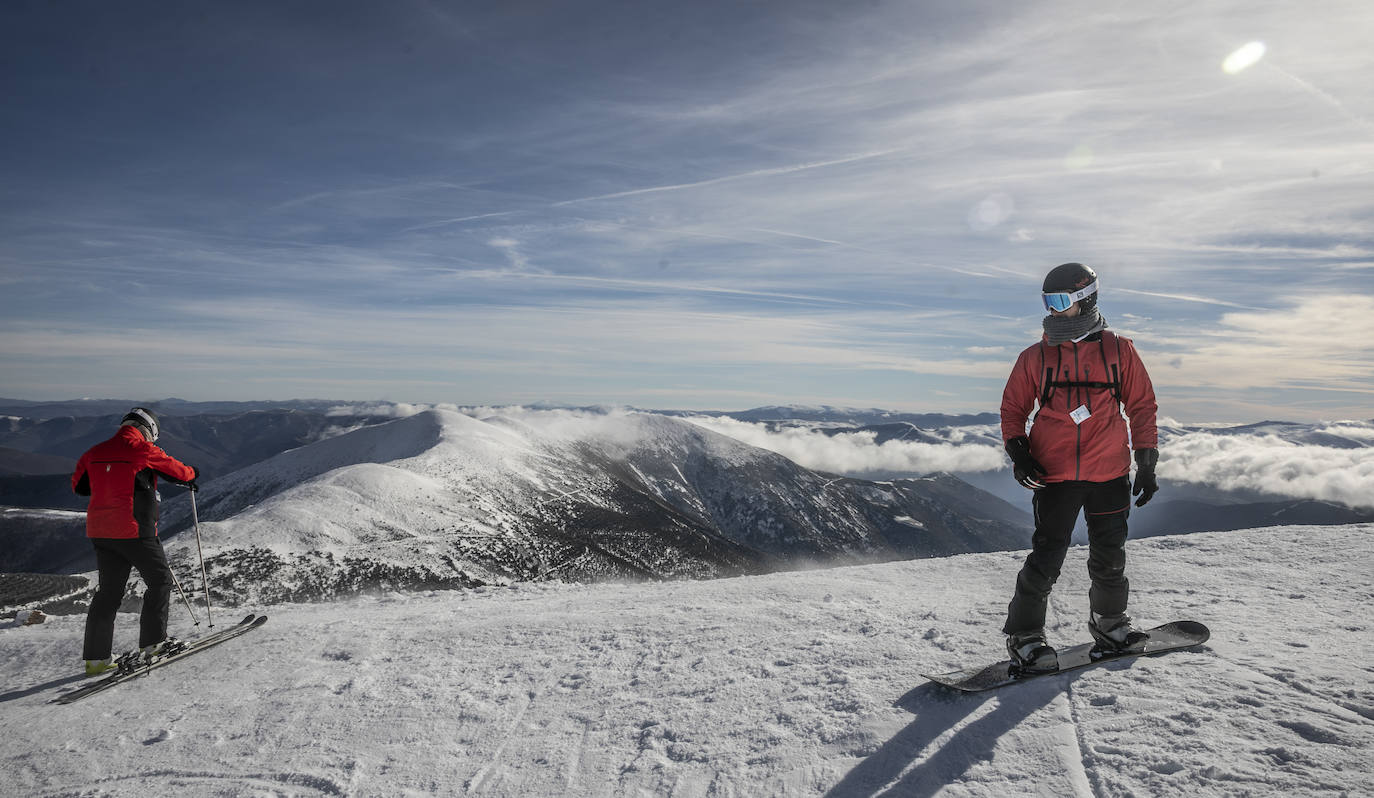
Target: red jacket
[[120, 476], [1090, 375]]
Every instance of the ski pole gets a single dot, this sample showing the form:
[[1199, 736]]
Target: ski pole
[[184, 600], [205, 579]]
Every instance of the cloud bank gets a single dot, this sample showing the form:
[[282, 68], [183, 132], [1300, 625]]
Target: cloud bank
[[858, 452], [1265, 462], [1272, 465]]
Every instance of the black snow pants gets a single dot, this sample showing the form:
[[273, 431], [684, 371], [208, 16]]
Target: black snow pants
[[1105, 506], [115, 558]]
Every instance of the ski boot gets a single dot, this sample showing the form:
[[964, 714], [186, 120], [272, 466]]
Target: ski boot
[[143, 657], [95, 667], [1031, 654], [1114, 633], [163, 648]]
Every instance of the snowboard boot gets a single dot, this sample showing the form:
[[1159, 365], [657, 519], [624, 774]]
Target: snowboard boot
[[95, 667], [1031, 654], [1114, 633]]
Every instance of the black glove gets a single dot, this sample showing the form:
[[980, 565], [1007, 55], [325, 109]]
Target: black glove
[[1027, 471], [1145, 484], [192, 486]]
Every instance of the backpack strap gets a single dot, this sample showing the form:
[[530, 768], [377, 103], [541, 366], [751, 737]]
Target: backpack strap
[[1047, 383], [1112, 368]]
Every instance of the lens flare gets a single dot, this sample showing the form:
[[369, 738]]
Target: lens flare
[[991, 212], [1244, 58], [1081, 157]]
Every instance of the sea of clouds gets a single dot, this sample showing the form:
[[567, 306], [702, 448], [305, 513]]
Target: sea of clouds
[[859, 453], [1273, 465]]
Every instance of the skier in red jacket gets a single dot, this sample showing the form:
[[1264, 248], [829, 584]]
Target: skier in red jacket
[[120, 476], [1077, 458]]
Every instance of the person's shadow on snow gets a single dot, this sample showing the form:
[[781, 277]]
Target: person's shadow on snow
[[55, 683], [938, 710]]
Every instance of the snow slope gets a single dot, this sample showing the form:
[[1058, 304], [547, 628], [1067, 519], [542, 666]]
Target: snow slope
[[448, 499], [803, 684]]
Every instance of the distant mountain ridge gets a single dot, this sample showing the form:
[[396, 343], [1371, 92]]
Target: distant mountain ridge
[[43, 449]]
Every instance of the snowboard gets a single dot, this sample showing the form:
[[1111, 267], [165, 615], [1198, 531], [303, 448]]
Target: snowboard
[[249, 623], [1168, 637]]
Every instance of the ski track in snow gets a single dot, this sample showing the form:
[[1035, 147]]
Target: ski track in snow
[[796, 684]]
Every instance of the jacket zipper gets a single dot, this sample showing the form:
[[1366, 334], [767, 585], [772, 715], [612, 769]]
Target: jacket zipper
[[1077, 427]]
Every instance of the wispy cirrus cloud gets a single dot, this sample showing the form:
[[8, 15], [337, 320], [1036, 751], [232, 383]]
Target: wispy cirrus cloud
[[869, 196], [1317, 343]]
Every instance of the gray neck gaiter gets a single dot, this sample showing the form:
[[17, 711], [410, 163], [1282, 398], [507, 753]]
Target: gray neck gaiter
[[1073, 328]]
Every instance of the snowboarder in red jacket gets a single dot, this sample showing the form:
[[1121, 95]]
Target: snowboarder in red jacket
[[120, 475], [1075, 384]]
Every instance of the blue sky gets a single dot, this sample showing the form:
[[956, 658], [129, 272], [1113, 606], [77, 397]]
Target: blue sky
[[681, 205]]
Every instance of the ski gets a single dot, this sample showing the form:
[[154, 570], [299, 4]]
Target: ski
[[249, 622], [1168, 637]]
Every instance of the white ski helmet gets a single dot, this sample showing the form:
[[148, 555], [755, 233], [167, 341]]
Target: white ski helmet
[[144, 419]]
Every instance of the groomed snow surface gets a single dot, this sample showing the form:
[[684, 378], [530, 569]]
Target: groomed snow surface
[[804, 684]]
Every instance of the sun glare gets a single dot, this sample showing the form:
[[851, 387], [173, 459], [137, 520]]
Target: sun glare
[[1243, 58]]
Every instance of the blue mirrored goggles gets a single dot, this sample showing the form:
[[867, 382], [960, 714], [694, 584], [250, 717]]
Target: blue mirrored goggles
[[1063, 300]]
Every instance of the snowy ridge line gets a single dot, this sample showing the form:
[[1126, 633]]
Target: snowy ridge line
[[42, 512], [571, 496]]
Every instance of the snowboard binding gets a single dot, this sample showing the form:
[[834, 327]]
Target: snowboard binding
[[1031, 655], [1114, 635]]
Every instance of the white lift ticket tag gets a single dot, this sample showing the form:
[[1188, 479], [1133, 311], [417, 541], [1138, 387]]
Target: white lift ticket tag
[[1081, 414]]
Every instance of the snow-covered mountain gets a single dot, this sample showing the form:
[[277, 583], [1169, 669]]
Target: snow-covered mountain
[[794, 684], [443, 498]]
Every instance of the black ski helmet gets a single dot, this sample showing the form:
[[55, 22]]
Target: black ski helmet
[[1071, 278], [144, 418]]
